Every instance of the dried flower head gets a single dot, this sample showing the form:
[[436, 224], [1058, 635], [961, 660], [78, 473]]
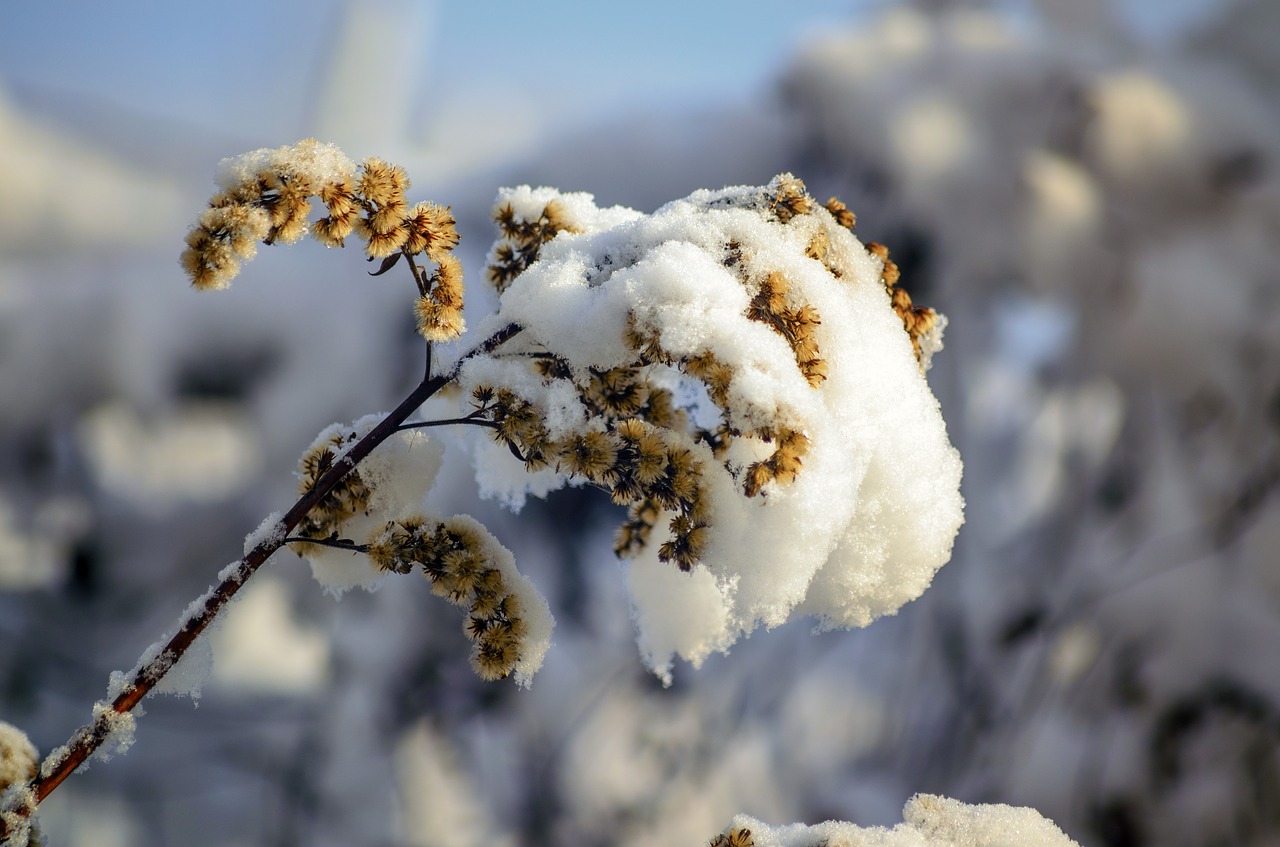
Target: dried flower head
[[265, 197], [842, 214], [922, 324], [348, 498], [507, 622], [18, 757], [733, 837], [523, 232]]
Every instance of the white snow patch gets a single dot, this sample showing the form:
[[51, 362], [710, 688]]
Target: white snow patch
[[928, 821]]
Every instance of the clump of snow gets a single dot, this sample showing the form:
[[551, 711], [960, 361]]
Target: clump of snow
[[339, 571], [928, 821], [54, 760], [18, 756], [120, 730], [318, 162], [16, 806], [875, 509], [187, 676], [269, 531]]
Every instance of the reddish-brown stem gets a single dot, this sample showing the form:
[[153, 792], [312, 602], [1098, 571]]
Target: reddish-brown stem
[[90, 737]]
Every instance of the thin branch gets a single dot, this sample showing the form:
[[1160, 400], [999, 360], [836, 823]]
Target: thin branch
[[490, 344], [335, 543], [473, 419], [419, 274], [90, 737]]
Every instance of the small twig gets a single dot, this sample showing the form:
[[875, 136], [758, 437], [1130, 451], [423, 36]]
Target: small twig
[[419, 274], [336, 543], [473, 419], [490, 344]]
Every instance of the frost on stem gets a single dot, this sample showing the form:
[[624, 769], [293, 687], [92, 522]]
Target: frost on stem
[[928, 821], [748, 379]]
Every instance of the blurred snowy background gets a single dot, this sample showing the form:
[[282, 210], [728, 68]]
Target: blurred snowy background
[[1089, 190]]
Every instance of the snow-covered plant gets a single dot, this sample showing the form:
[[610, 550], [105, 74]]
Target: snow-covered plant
[[927, 819], [736, 369]]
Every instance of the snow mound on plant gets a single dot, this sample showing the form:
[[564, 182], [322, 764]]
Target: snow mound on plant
[[874, 511]]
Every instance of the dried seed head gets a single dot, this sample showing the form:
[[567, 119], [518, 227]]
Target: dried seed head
[[431, 230], [522, 240], [736, 837], [788, 198], [348, 498], [844, 217], [589, 454], [19, 759], [457, 559], [381, 183]]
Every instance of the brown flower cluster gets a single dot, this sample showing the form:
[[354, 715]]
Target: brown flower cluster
[[770, 306], [271, 202], [641, 456], [735, 837], [521, 240], [790, 444], [842, 214], [789, 200], [350, 497], [916, 320], [456, 558]]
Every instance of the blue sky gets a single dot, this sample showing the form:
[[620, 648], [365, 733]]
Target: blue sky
[[240, 62], [446, 85]]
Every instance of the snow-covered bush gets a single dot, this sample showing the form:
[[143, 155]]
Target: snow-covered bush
[[1096, 210], [737, 369]]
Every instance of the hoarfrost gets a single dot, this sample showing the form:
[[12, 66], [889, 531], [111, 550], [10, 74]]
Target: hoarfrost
[[19, 826], [269, 531], [120, 729]]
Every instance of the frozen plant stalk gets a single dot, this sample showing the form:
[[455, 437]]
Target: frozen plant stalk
[[735, 368]]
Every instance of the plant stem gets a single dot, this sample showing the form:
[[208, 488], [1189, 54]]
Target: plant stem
[[90, 737], [338, 544], [473, 419]]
